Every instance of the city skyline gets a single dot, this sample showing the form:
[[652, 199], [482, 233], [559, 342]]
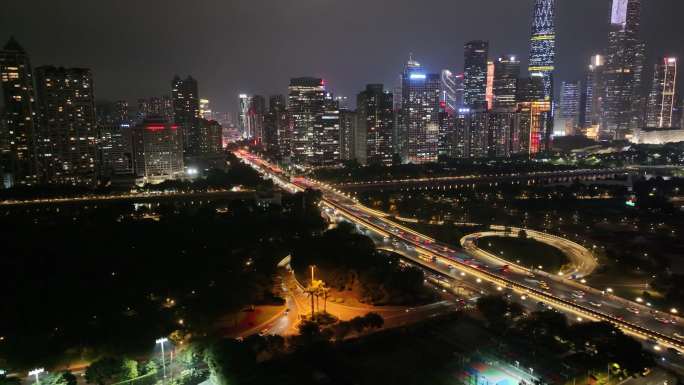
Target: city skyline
[[147, 62]]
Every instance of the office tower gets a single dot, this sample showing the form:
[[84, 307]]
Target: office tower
[[543, 44], [186, 111], [209, 138], [500, 127], [276, 138], [475, 73], [67, 137], [243, 114], [342, 102], [376, 125], [591, 113], [662, 96], [420, 113], [158, 149], [306, 107], [489, 93], [115, 154], [533, 128], [567, 120], [476, 134], [623, 70], [19, 118], [506, 73], [530, 89], [155, 107], [348, 134], [255, 118], [449, 84], [327, 150], [459, 90], [205, 110]]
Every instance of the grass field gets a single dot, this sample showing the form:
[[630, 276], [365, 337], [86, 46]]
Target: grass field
[[525, 252]]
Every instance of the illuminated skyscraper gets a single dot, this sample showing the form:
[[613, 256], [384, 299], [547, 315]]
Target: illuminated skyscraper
[[276, 138], [20, 114], [155, 107], [67, 137], [158, 151], [662, 96], [623, 70], [506, 73], [420, 112], [543, 44], [256, 114], [243, 124], [475, 73], [449, 84], [186, 110], [567, 119], [489, 92], [315, 142], [593, 94], [376, 122]]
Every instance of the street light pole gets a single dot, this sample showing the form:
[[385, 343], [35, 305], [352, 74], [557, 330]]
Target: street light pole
[[36, 372], [161, 342]]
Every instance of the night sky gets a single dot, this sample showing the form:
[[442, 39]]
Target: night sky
[[255, 46]]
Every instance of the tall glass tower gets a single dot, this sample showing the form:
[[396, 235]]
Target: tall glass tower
[[543, 44]]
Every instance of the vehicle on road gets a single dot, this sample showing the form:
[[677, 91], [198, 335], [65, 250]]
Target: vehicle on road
[[595, 304], [674, 351], [677, 335], [633, 310]]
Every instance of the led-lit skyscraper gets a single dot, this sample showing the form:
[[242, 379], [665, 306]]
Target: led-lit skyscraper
[[489, 92], [543, 44], [662, 96], [420, 112], [243, 123], [448, 90], [623, 70], [20, 114], [506, 73], [158, 151], [475, 73]]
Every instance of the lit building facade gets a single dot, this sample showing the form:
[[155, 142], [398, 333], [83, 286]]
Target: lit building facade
[[376, 121], [489, 93], [19, 118], [543, 44], [420, 113], [661, 99], [475, 54], [623, 71], [156, 107], [567, 120], [158, 151], [67, 135], [506, 73], [186, 111], [312, 139], [449, 84], [593, 94]]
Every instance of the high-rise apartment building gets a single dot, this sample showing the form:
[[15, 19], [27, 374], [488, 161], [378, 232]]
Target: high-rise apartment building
[[67, 137], [475, 73], [420, 112], [543, 44], [506, 74], [19, 118], [348, 134], [376, 121], [186, 111], [158, 149], [661, 99], [623, 70], [115, 153]]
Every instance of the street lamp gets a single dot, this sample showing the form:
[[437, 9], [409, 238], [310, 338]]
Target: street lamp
[[36, 372], [609, 290], [161, 342], [674, 311]]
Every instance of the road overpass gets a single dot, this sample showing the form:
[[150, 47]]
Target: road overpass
[[569, 296]]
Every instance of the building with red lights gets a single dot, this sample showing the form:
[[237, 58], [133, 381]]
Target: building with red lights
[[158, 151]]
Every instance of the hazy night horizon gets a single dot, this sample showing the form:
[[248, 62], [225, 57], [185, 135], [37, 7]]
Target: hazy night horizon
[[255, 47]]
